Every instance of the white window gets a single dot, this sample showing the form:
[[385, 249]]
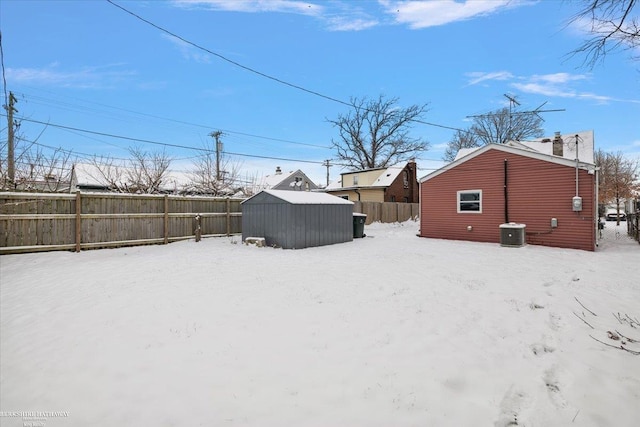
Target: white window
[[470, 201], [355, 179]]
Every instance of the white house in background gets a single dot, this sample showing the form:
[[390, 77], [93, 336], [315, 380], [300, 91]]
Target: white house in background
[[291, 181]]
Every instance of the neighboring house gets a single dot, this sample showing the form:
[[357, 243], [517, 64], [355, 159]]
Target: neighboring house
[[292, 181], [470, 198], [49, 183], [110, 178], [393, 184]]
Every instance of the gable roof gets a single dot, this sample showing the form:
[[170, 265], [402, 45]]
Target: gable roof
[[526, 152], [577, 143], [270, 181], [304, 197], [385, 179], [580, 143]]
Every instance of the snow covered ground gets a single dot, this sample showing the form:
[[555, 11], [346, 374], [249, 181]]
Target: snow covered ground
[[389, 330]]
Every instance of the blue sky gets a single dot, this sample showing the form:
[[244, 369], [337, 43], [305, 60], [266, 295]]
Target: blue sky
[[90, 65]]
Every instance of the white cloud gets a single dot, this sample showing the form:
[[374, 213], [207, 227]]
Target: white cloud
[[422, 14], [88, 77], [188, 51], [479, 76], [285, 6], [336, 16], [558, 78], [559, 85], [343, 23]]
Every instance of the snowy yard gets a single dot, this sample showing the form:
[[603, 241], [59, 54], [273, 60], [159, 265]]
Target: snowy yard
[[389, 330]]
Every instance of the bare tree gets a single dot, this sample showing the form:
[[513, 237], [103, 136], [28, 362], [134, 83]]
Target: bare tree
[[143, 172], [618, 178], [107, 172], [36, 167], [375, 133], [612, 26], [497, 127], [38, 171], [461, 139], [208, 167], [147, 170], [504, 125]]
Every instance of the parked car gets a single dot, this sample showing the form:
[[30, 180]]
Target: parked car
[[612, 215]]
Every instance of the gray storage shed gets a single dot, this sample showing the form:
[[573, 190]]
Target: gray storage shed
[[297, 219]]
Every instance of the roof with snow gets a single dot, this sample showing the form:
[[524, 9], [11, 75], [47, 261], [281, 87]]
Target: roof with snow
[[385, 179], [580, 144], [513, 149], [388, 176], [90, 175], [303, 197]]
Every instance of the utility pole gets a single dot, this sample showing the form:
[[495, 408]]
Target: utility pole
[[11, 169], [328, 165], [217, 134]]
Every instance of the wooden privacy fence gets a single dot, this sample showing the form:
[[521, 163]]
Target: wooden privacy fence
[[32, 222], [387, 211], [42, 222]]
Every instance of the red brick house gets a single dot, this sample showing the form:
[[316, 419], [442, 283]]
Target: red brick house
[[470, 198]]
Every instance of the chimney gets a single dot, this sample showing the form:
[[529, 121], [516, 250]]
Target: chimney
[[278, 170], [557, 145]]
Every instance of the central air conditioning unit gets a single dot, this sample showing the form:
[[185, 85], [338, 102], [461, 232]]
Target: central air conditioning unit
[[512, 235]]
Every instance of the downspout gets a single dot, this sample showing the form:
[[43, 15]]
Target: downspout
[[577, 165], [506, 195], [358, 193]]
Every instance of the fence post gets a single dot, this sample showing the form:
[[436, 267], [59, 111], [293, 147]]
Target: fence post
[[228, 216], [198, 231], [166, 219], [78, 220]]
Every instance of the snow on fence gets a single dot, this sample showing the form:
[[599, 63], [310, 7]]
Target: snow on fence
[[31, 222]]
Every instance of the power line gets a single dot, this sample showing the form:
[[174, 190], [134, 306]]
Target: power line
[[67, 105], [165, 144], [244, 67], [237, 64]]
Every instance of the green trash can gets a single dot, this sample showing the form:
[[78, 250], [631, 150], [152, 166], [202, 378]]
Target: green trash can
[[358, 225]]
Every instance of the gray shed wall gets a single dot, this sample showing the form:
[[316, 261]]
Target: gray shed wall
[[293, 226]]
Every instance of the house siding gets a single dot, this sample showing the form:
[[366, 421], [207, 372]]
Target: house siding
[[307, 184], [537, 191], [397, 190]]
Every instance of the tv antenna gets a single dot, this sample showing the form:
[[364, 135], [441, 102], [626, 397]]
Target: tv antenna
[[514, 102]]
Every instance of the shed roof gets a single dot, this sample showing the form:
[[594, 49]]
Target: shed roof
[[304, 197]]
